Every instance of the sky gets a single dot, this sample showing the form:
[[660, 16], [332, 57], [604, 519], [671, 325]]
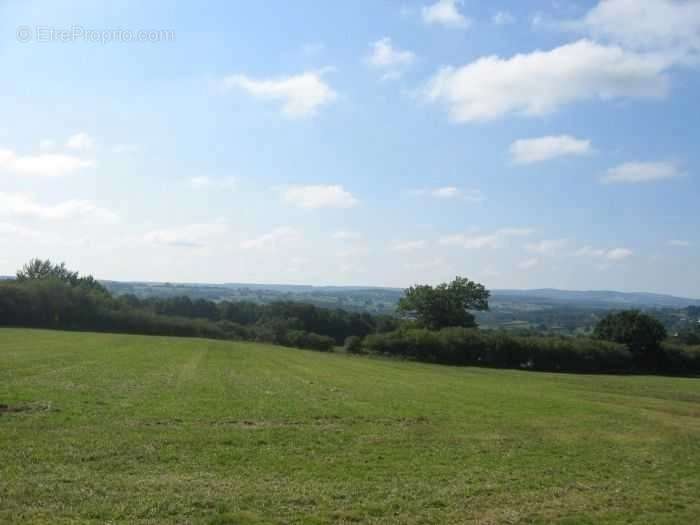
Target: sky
[[519, 144]]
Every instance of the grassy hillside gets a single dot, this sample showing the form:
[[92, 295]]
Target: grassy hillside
[[129, 429]]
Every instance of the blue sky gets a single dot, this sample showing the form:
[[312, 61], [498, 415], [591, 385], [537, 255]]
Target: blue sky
[[521, 144]]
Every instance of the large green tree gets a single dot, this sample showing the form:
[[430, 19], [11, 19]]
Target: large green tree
[[640, 332], [447, 304], [38, 269]]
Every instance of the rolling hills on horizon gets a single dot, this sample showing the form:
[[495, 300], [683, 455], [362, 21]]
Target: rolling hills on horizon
[[348, 296]]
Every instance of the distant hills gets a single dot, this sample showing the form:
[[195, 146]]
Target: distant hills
[[384, 299], [594, 299]]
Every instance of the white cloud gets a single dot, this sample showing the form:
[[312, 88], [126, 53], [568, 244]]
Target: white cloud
[[408, 246], [80, 142], [43, 164], [272, 240], [347, 236], [391, 60], [529, 151], [188, 236], [301, 95], [618, 254], [615, 254], [222, 183], [319, 196], [21, 205], [486, 240], [548, 246], [679, 243], [502, 18], [540, 82], [671, 27], [637, 172], [451, 192], [446, 13], [528, 263]]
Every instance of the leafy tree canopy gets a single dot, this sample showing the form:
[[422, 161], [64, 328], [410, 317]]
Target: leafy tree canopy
[[640, 332], [447, 304], [38, 269]]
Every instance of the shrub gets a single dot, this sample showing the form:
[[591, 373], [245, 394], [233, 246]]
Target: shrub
[[353, 345], [463, 346]]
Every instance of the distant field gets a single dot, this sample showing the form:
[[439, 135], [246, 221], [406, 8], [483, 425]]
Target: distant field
[[129, 429]]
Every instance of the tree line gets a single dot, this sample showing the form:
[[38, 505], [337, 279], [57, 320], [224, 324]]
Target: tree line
[[48, 295], [434, 324]]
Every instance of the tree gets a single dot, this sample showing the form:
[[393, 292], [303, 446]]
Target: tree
[[640, 332], [38, 269], [447, 304]]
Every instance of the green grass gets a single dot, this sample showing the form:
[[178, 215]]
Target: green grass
[[130, 429]]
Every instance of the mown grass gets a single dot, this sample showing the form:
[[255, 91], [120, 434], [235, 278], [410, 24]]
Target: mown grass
[[131, 429]]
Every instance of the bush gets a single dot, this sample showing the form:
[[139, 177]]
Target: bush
[[463, 346], [353, 345], [309, 340], [640, 332], [682, 359]]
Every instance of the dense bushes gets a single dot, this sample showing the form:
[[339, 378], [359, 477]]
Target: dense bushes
[[353, 345], [681, 359], [460, 346], [464, 346], [336, 323], [59, 304]]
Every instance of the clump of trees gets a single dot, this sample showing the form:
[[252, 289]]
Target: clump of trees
[[641, 333]]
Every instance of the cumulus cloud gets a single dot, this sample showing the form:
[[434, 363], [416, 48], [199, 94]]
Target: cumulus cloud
[[222, 183], [301, 95], [639, 172], [445, 13], [529, 151], [319, 196], [188, 236], [272, 240], [22, 205], [541, 82], [392, 61], [671, 27], [485, 240], [80, 142], [43, 164]]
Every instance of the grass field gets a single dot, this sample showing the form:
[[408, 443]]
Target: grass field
[[129, 429]]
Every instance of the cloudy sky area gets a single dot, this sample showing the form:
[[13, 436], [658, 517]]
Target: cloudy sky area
[[521, 144]]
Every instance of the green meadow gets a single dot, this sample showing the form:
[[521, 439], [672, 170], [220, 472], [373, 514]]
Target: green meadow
[[98, 428]]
